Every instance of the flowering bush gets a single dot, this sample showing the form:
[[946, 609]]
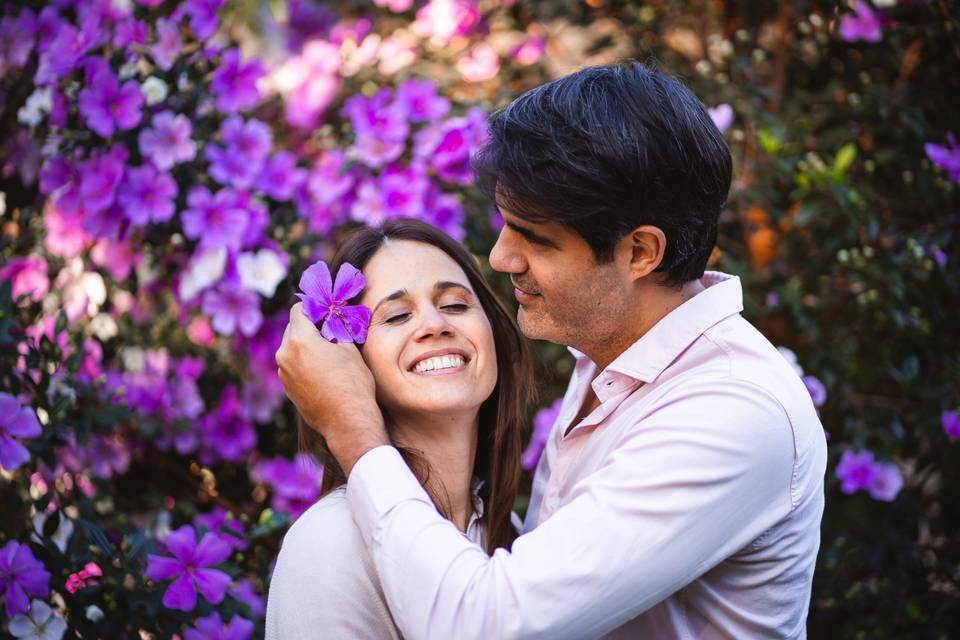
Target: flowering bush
[[169, 172]]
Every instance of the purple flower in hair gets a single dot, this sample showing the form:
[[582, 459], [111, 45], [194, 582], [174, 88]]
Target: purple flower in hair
[[542, 426], [865, 25], [107, 105], [146, 195], [168, 140], [189, 566], [947, 157], [232, 307], [212, 627], [15, 422], [21, 576], [855, 471], [215, 220], [326, 301], [234, 83]]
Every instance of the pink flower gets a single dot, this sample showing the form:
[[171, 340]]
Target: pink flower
[[530, 51], [818, 392], [722, 116], [326, 301], [865, 25], [886, 482], [397, 6], [481, 63], [28, 275], [83, 578], [441, 20]]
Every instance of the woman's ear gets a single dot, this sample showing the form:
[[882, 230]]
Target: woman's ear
[[644, 248]]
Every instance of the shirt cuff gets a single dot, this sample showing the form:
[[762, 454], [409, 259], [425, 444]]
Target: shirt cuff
[[379, 481]]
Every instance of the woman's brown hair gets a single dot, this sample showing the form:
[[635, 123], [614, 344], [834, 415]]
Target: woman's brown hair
[[497, 461]]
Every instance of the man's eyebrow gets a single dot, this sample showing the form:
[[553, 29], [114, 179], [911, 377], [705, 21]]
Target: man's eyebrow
[[532, 236]]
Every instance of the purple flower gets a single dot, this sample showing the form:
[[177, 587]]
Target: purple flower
[[448, 145], [234, 83], [28, 275], [146, 195], [168, 140], [855, 471], [947, 157], [215, 220], [263, 396], [404, 192], [167, 47], [16, 40], [242, 591], [226, 434], [231, 307], [211, 627], [722, 116], [247, 145], [218, 522], [951, 424], [441, 20], [189, 566], [108, 106], [865, 25], [542, 426], [15, 422], [818, 392], [21, 576], [445, 212], [203, 16], [99, 178], [323, 198], [280, 176], [325, 301], [317, 65], [420, 100], [130, 32], [886, 482], [370, 207], [380, 125], [295, 483], [61, 55], [530, 50]]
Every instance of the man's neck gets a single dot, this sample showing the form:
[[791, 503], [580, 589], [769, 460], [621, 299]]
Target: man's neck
[[448, 444], [657, 302]]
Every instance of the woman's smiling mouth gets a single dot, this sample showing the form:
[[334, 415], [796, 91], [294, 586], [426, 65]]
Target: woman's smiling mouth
[[440, 362]]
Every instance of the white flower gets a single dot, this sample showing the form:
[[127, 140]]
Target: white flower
[[261, 271], [205, 269], [94, 613], [39, 103], [103, 326], [40, 623], [154, 89], [127, 71], [60, 537], [134, 359], [82, 291], [3, 202]]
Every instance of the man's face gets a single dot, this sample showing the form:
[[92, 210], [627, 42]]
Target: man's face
[[565, 296]]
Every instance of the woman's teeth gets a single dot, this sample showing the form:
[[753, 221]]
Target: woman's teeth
[[439, 362]]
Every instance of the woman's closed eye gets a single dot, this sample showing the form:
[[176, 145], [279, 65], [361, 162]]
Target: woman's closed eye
[[457, 307]]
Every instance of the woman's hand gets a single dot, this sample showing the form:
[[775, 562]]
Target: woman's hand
[[332, 388]]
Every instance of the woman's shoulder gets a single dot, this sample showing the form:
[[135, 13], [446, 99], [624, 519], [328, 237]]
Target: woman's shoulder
[[327, 525]]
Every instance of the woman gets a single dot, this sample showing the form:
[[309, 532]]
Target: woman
[[451, 369]]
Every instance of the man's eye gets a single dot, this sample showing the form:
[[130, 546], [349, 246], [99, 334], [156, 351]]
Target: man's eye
[[397, 319]]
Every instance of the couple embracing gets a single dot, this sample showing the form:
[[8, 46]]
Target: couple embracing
[[680, 492]]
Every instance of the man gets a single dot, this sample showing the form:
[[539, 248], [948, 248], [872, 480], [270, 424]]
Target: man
[[681, 490]]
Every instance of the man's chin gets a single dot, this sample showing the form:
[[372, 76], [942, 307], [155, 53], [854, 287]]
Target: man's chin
[[533, 325]]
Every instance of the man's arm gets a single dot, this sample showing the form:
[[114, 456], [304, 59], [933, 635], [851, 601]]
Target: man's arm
[[684, 490]]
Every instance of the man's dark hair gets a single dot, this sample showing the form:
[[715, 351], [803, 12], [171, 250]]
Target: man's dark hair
[[607, 149]]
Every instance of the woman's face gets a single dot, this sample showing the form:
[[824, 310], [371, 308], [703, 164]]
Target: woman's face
[[430, 345]]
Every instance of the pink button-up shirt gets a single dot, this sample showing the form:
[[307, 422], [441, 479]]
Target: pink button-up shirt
[[686, 505]]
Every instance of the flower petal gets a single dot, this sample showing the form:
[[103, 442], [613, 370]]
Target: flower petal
[[334, 330], [238, 629], [8, 404], [17, 601], [162, 567], [315, 310], [349, 283], [357, 320], [316, 282], [212, 584], [182, 543], [181, 594], [212, 550], [12, 453], [24, 424]]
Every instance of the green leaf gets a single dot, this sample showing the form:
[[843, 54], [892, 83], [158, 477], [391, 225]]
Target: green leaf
[[769, 142], [844, 158]]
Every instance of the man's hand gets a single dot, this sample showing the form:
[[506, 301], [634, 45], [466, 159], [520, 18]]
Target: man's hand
[[332, 388]]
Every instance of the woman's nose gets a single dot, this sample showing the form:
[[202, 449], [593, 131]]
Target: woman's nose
[[433, 323]]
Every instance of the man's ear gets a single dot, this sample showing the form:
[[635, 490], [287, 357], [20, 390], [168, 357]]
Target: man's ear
[[646, 245]]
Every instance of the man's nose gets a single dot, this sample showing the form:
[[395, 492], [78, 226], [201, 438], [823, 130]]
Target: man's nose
[[504, 257]]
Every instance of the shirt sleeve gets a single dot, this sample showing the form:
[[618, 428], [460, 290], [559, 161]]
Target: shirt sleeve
[[683, 490]]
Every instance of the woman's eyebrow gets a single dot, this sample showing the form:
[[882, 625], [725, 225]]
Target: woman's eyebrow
[[396, 295], [448, 284]]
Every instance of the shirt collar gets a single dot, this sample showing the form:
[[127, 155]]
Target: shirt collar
[[647, 358]]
